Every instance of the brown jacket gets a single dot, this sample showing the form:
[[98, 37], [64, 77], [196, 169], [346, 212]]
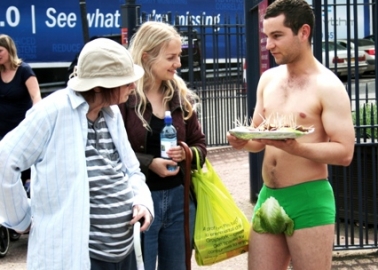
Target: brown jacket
[[188, 131]]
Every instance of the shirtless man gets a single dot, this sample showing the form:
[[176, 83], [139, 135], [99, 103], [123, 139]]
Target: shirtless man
[[295, 170]]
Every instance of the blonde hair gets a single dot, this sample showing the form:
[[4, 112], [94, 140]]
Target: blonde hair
[[152, 38], [8, 43]]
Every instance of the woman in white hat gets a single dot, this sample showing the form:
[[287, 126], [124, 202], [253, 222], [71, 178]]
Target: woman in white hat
[[87, 189]]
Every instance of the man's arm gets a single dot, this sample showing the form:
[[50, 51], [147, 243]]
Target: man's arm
[[338, 124], [336, 120]]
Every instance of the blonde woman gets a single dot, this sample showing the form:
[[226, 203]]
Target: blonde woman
[[19, 90], [156, 47]]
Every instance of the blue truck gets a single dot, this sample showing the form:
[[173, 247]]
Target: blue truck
[[48, 34]]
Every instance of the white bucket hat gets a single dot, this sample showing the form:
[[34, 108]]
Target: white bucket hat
[[105, 63]]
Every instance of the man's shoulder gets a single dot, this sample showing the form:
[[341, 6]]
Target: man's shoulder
[[274, 70], [327, 78], [272, 73]]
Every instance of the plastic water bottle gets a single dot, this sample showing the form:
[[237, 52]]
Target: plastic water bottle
[[168, 138]]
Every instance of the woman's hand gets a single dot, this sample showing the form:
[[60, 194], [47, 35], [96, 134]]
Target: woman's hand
[[176, 153], [141, 213], [159, 166]]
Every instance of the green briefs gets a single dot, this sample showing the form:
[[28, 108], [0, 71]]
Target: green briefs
[[308, 204]]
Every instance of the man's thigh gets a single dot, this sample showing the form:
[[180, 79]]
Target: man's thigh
[[311, 248], [307, 249], [268, 252]]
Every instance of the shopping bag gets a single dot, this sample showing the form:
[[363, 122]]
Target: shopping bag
[[221, 228]]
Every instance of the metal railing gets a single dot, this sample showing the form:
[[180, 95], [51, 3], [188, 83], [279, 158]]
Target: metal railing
[[212, 64]]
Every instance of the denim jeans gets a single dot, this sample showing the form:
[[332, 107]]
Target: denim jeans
[[165, 239]]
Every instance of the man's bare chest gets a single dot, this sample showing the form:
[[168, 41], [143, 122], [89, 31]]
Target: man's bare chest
[[298, 102]]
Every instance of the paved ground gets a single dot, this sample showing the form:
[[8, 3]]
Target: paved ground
[[232, 166]]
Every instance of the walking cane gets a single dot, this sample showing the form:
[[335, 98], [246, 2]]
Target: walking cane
[[187, 181], [137, 246]]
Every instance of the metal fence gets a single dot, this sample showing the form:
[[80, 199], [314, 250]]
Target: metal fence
[[355, 186], [216, 74], [212, 64]]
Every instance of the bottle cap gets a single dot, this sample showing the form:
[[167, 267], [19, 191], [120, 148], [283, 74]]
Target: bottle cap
[[168, 117]]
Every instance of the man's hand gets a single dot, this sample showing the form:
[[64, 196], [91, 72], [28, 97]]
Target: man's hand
[[236, 143], [287, 145]]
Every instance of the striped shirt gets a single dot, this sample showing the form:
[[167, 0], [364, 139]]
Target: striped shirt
[[110, 237]]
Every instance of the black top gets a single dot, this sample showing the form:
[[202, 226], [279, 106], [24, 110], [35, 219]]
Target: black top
[[14, 99], [154, 181]]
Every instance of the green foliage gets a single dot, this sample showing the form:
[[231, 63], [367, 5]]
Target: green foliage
[[368, 122]]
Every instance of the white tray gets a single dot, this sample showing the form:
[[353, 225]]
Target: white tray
[[246, 134]]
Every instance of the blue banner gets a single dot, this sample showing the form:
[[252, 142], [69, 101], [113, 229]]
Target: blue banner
[[48, 31]]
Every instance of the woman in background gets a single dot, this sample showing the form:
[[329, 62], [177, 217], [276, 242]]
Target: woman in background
[[19, 90]]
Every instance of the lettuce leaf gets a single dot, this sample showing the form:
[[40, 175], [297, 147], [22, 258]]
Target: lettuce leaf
[[272, 218]]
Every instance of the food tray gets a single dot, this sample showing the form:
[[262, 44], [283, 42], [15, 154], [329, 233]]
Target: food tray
[[246, 133]]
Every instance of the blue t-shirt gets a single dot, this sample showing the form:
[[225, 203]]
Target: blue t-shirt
[[14, 99]]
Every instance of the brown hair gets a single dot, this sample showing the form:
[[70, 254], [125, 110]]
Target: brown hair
[[107, 94], [8, 43], [296, 12]]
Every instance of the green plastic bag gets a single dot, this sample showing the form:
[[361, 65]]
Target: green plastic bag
[[221, 229]]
